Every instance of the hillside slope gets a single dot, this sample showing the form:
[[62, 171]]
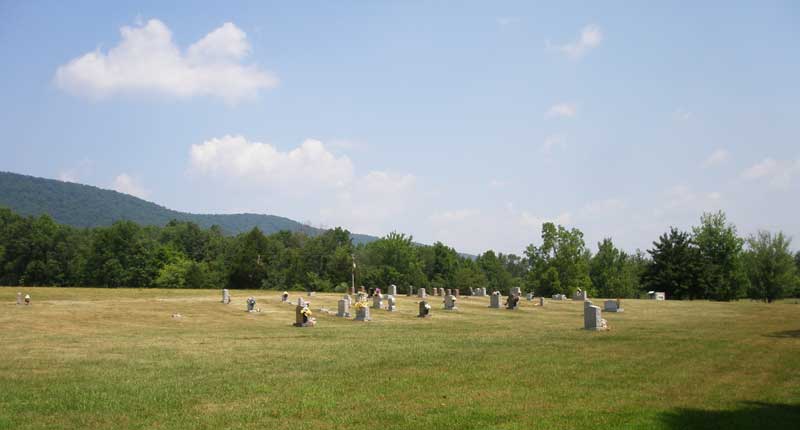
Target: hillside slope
[[87, 206]]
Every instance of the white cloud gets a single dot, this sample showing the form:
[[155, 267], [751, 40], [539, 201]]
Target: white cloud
[[717, 157], [529, 220], [148, 61], [497, 183], [454, 215], [125, 183], [505, 21], [553, 141], [566, 110], [309, 165], [77, 172], [604, 207], [377, 203], [591, 36], [778, 173]]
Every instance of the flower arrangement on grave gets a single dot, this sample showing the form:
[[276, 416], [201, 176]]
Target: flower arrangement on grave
[[361, 304], [306, 312]]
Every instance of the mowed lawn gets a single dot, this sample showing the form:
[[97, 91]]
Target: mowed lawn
[[115, 358]]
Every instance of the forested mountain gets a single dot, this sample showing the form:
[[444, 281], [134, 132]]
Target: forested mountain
[[80, 205]]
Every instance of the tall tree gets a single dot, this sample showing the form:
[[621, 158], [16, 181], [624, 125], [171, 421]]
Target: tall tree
[[560, 264], [723, 276], [675, 266], [770, 266], [612, 271]]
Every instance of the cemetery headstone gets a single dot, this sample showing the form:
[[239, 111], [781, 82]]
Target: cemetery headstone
[[457, 292], [410, 290], [362, 311], [434, 291], [494, 301], [393, 290], [303, 316], [226, 296], [391, 303], [344, 307], [377, 301], [613, 306], [512, 302], [424, 309], [529, 296], [19, 298], [516, 291], [421, 293], [471, 291], [450, 302], [592, 317], [541, 301], [251, 304]]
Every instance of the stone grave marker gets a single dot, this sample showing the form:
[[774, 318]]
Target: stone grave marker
[[592, 317], [19, 298], [344, 307], [391, 303], [377, 301], [613, 306], [421, 293], [494, 301], [392, 290], [226, 296], [424, 309], [450, 302]]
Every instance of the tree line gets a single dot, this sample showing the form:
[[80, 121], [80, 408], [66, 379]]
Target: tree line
[[709, 262]]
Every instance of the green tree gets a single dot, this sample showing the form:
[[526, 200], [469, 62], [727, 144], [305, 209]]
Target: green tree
[[675, 266], [722, 275], [563, 251], [496, 273], [770, 266], [612, 272]]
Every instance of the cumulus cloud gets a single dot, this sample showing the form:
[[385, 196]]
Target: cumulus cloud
[[717, 157], [309, 165], [591, 36], [566, 110], [553, 141], [778, 173], [682, 114], [127, 184], [148, 61], [529, 220], [376, 203]]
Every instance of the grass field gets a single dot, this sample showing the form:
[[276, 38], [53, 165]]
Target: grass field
[[101, 358]]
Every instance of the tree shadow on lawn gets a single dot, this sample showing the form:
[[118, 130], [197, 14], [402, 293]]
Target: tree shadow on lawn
[[785, 334], [751, 415]]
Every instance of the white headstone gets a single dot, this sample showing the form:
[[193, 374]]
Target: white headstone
[[19, 298], [421, 293], [393, 290], [541, 301], [494, 301], [226, 296], [391, 303], [377, 301]]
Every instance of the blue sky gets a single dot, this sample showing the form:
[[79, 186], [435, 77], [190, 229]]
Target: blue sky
[[469, 123]]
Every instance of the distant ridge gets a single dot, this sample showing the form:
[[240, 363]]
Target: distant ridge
[[82, 206]]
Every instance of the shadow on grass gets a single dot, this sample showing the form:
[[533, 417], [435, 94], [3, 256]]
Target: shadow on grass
[[786, 334], [751, 415]]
